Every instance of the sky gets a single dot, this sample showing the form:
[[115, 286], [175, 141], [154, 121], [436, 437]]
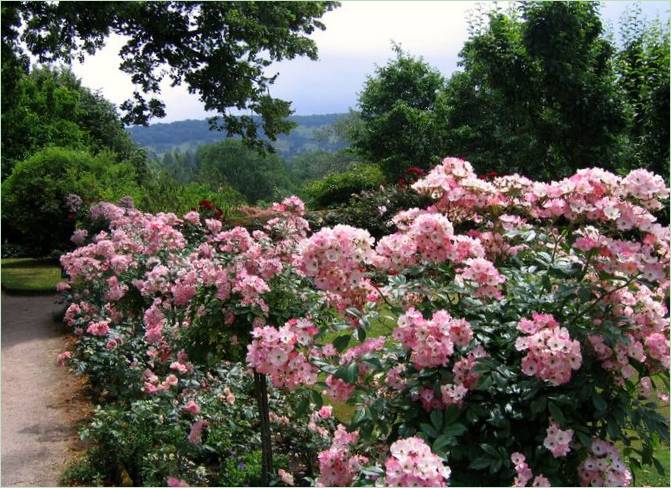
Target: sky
[[358, 37]]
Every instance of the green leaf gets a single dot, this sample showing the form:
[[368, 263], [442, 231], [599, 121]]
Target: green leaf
[[491, 450], [496, 466], [437, 419], [480, 463], [599, 402], [538, 405], [556, 413], [428, 430], [442, 442], [360, 334], [584, 439], [373, 361], [455, 429], [340, 342], [658, 466], [317, 398], [348, 373], [302, 407]]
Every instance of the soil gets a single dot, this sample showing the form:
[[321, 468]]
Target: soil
[[42, 404]]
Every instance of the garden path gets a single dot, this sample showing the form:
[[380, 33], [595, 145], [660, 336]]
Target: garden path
[[41, 403]]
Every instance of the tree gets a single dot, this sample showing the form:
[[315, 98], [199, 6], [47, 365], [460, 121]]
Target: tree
[[538, 93], [396, 126], [642, 65], [230, 163], [51, 108], [312, 165], [220, 50]]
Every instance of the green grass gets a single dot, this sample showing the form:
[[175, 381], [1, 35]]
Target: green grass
[[381, 327], [648, 475], [29, 275]]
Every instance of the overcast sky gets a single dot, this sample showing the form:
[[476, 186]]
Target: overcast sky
[[358, 37]]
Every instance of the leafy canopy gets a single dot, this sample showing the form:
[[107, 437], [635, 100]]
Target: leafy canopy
[[51, 108], [220, 50], [396, 123]]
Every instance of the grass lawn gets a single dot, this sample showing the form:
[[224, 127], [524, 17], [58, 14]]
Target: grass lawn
[[29, 275], [648, 475]]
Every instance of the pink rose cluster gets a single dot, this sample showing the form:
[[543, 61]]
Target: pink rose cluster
[[558, 441], [482, 274], [337, 465], [153, 384], [604, 467], [324, 413], [524, 473], [335, 259], [411, 463], [457, 189], [590, 195], [551, 354], [425, 238], [275, 352], [432, 342], [338, 389]]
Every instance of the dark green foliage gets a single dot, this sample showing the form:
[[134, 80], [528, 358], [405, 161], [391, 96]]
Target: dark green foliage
[[396, 125], [50, 107], [218, 49], [34, 209], [372, 210], [543, 92], [338, 188], [538, 94], [643, 69]]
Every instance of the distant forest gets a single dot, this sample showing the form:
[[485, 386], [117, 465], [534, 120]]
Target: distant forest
[[310, 134]]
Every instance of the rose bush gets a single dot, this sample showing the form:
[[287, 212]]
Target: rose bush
[[528, 334]]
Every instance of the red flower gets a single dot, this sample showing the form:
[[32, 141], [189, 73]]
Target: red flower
[[414, 170], [206, 204]]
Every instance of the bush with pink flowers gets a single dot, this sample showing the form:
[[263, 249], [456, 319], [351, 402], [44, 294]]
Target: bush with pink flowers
[[528, 331]]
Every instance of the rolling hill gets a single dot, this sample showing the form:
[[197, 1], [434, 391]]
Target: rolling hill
[[188, 134]]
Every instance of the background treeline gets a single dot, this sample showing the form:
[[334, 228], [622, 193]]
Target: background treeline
[[310, 133], [543, 89]]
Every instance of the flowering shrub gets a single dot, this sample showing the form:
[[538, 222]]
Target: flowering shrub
[[527, 332]]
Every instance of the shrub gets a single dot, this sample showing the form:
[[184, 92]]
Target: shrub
[[339, 188], [529, 337], [371, 209], [35, 210], [163, 193]]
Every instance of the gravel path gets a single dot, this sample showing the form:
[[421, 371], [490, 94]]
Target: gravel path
[[41, 403]]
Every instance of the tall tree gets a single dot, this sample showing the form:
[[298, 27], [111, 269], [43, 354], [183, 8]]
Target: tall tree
[[642, 65], [538, 93], [230, 163], [396, 124], [50, 107], [220, 50]]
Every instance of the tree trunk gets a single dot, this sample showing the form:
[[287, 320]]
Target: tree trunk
[[266, 446]]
